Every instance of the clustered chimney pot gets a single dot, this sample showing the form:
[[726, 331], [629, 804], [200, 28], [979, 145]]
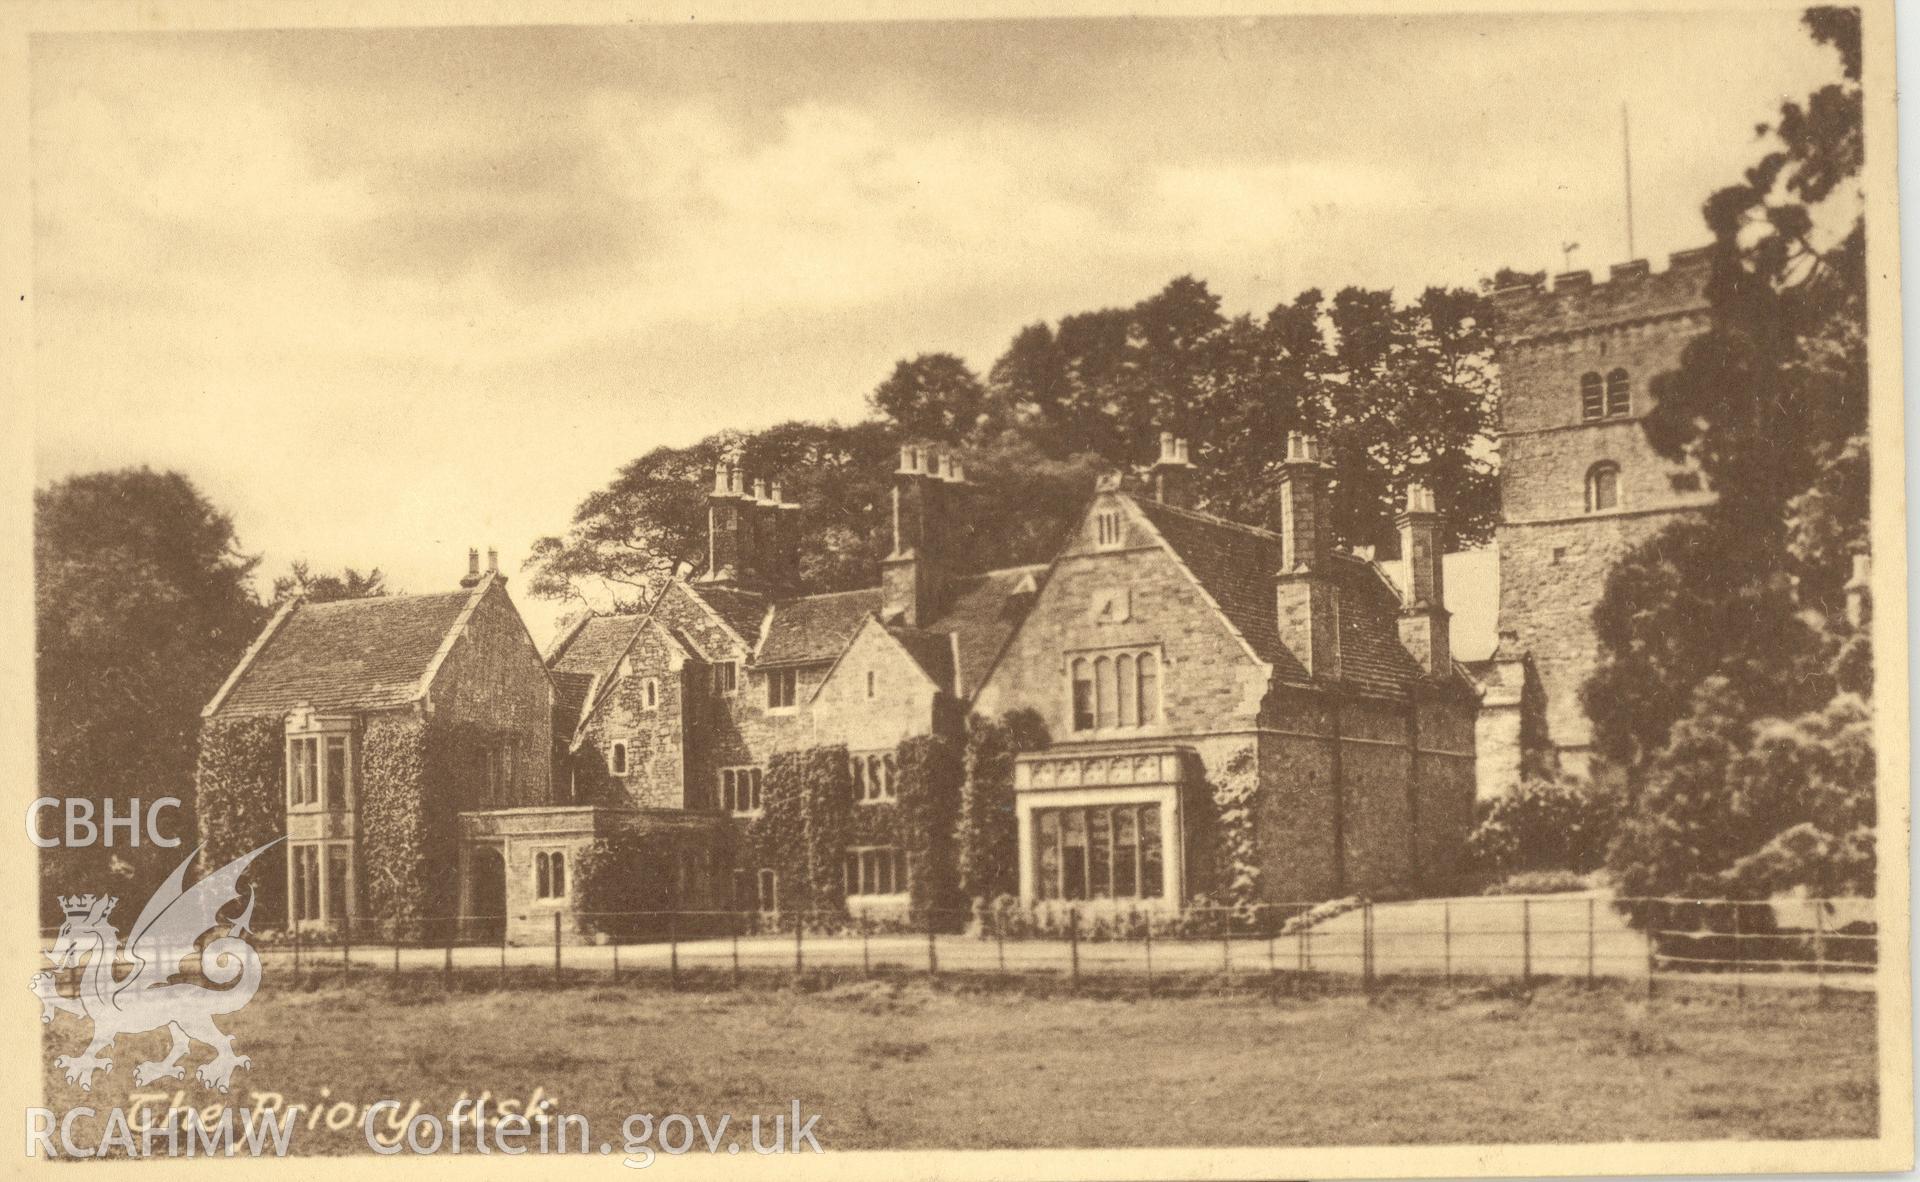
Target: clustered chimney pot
[[1425, 623], [1173, 473]]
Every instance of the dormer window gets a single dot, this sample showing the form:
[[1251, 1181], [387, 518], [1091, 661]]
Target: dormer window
[[1107, 532]]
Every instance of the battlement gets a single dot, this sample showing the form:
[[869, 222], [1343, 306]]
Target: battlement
[[1573, 303]]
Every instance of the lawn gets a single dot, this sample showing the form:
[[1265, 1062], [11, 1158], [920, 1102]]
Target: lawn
[[902, 1065]]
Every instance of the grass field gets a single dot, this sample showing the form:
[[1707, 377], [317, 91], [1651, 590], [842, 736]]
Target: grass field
[[902, 1065]]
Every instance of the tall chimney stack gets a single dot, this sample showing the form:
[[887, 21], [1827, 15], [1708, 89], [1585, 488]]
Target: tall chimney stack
[[473, 568], [727, 524], [1425, 628], [1306, 598], [912, 578], [1173, 473]]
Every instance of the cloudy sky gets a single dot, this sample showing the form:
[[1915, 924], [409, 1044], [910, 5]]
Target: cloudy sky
[[388, 294]]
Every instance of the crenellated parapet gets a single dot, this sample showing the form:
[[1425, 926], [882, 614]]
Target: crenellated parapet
[[1633, 293]]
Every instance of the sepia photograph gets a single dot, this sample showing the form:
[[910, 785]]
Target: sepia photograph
[[1212, 592]]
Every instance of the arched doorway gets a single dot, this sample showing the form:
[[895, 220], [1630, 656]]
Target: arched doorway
[[486, 893]]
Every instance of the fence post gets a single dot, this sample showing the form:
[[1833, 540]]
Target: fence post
[[799, 922], [296, 953], [1366, 948], [616, 957], [1820, 949], [394, 931], [673, 948], [346, 948], [1300, 939], [1273, 967], [556, 946], [738, 920], [1651, 933], [446, 972], [1226, 943], [866, 944], [1073, 941], [1149, 954], [933, 955], [1526, 941], [503, 950], [1739, 968], [1446, 941], [1000, 939], [1589, 941]]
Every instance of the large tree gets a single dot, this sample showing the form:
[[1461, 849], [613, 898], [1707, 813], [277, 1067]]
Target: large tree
[[326, 586], [142, 605], [1399, 392], [1732, 682]]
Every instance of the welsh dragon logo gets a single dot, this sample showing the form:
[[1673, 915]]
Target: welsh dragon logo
[[147, 998]]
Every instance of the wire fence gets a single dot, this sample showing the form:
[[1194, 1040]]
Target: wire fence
[[1824, 945]]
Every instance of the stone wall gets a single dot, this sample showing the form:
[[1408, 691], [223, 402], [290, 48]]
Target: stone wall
[[494, 681], [901, 703], [654, 735], [1554, 555]]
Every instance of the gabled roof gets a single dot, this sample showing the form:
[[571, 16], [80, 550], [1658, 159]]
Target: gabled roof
[[594, 644], [815, 629], [569, 700], [741, 611], [932, 651], [1235, 564], [353, 654], [982, 613]]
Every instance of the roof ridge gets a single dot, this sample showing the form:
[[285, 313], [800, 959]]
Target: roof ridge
[[1205, 518], [396, 597]]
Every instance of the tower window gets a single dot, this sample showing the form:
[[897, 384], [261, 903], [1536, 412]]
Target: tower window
[[1593, 397], [1619, 394], [1603, 487]]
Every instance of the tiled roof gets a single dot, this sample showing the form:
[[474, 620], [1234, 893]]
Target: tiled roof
[[353, 654], [569, 699], [814, 628], [742, 610], [596, 645], [1235, 563], [932, 651], [981, 613]]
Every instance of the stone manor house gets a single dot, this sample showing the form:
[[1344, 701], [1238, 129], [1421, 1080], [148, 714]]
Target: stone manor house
[[1163, 648]]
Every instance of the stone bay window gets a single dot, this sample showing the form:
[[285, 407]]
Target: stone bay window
[[1102, 828], [322, 799]]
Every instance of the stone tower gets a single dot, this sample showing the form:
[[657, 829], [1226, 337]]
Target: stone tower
[[1579, 484]]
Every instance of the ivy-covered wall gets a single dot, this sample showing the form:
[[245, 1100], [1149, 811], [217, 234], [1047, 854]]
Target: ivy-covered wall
[[411, 772], [930, 771], [988, 828], [239, 802], [1235, 789], [777, 838]]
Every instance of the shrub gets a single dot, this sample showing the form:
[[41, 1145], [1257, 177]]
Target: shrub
[[1562, 824], [1538, 882]]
